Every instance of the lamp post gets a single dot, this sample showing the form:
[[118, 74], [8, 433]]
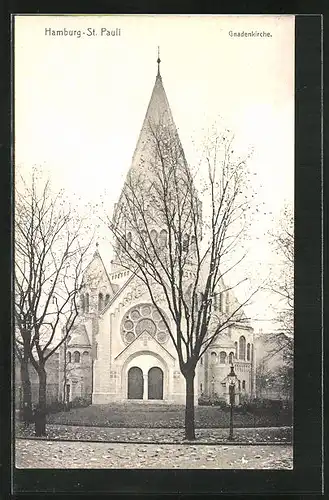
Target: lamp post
[[232, 379]]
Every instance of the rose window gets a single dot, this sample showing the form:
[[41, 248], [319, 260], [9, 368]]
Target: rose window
[[143, 318]]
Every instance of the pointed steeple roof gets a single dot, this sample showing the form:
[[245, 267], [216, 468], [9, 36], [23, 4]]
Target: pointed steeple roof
[[158, 113]]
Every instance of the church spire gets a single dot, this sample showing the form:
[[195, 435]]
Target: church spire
[[158, 61]]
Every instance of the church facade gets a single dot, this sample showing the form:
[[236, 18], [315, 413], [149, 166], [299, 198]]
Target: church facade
[[120, 348]]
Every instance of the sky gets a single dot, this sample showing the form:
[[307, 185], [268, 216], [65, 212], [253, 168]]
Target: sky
[[80, 102]]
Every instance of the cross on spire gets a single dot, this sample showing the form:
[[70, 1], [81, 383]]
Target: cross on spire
[[158, 61]]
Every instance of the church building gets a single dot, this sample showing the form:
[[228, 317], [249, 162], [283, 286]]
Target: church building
[[120, 348]]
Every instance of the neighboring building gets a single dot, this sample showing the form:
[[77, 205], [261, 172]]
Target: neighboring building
[[274, 370], [120, 339], [53, 381]]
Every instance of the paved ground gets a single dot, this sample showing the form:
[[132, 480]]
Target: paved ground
[[176, 436], [61, 455]]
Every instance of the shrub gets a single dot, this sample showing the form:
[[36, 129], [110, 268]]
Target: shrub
[[214, 401], [80, 402], [55, 407]]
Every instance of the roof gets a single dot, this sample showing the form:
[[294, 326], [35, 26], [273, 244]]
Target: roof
[[97, 257], [79, 337]]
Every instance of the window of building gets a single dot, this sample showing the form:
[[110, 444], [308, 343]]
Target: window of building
[[107, 299], [224, 385], [154, 237], [222, 357], [87, 303], [227, 302], [200, 387], [100, 301], [201, 361], [69, 357], [213, 357], [242, 347], [129, 239], [82, 302], [85, 355], [76, 357], [239, 385], [196, 302], [163, 238], [216, 296], [248, 352], [186, 240], [243, 385], [220, 302], [144, 318], [230, 358], [236, 349]]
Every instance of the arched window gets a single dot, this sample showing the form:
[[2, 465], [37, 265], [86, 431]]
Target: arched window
[[129, 238], [236, 349], [242, 347], [100, 301], [227, 302], [163, 238], [243, 385], [213, 358], [186, 240], [87, 303], [85, 355], [222, 357], [69, 357], [239, 385], [82, 302], [154, 237], [200, 387], [220, 305], [107, 299], [248, 352], [76, 357], [201, 361], [196, 302], [230, 358]]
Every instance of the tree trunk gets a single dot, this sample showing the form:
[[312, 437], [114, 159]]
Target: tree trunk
[[189, 406], [26, 412], [40, 413]]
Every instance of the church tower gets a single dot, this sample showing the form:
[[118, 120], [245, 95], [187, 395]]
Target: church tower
[[157, 181]]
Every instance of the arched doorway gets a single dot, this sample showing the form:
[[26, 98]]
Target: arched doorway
[[135, 383], [155, 383]]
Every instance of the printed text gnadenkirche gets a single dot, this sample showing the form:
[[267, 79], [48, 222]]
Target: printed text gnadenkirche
[[90, 32]]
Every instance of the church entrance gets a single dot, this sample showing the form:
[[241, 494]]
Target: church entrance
[[155, 383], [135, 383]]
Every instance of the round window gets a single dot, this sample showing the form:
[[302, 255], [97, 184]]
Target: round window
[[146, 325], [143, 318], [128, 325], [135, 314]]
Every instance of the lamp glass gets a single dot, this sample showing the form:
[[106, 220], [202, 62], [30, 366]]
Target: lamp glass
[[232, 378]]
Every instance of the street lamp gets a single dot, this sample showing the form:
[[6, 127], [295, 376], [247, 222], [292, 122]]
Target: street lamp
[[232, 380]]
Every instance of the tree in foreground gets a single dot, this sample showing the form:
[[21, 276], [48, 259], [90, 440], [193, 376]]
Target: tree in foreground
[[180, 254], [48, 266]]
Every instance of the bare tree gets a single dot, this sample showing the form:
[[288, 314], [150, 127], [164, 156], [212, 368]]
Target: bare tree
[[178, 252], [48, 267]]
